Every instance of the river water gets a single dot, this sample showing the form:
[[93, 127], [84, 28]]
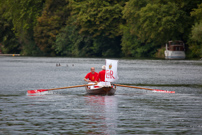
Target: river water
[[72, 111]]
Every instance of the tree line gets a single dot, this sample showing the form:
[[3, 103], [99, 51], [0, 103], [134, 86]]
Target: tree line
[[99, 28]]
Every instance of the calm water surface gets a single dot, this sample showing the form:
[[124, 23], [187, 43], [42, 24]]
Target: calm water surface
[[71, 111]]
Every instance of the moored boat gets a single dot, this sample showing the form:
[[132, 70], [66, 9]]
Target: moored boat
[[101, 89], [175, 50]]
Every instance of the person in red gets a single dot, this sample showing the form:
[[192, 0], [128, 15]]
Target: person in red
[[91, 76], [101, 75]]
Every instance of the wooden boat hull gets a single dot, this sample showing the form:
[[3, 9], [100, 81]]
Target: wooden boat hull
[[101, 91]]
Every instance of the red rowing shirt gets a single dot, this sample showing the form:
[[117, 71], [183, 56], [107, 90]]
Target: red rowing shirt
[[101, 76], [91, 76]]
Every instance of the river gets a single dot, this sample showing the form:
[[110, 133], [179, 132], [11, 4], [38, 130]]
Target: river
[[72, 111]]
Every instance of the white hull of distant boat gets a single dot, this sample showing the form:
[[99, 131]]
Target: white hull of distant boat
[[174, 54]]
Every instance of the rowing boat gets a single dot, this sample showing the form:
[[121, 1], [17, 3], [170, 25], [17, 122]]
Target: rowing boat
[[101, 89]]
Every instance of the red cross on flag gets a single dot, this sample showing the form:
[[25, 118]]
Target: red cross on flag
[[111, 70]]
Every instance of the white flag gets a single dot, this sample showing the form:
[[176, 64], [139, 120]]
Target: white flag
[[111, 70]]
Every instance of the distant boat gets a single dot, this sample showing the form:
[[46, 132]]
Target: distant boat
[[175, 50]]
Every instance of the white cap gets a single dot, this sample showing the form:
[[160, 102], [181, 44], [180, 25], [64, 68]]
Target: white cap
[[103, 67]]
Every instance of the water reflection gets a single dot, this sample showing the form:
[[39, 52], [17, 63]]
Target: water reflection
[[103, 114]]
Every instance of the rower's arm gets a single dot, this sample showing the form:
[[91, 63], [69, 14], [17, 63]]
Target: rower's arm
[[86, 80]]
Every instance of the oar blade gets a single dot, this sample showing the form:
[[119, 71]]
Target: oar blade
[[30, 92], [164, 91], [44, 91]]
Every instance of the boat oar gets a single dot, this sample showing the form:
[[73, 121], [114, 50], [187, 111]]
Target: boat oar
[[43, 90], [154, 90]]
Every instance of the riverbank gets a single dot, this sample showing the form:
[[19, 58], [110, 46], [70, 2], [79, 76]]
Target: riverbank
[[9, 54]]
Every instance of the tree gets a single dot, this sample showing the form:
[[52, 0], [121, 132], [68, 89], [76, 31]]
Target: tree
[[54, 17], [99, 23], [23, 14], [133, 47], [158, 21], [196, 33], [70, 43], [97, 17], [8, 41]]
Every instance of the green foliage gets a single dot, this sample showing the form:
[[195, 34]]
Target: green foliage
[[99, 18], [107, 47], [22, 14], [196, 33], [133, 47], [8, 41], [155, 22], [195, 49], [70, 43], [54, 16], [63, 45], [98, 24], [197, 28], [197, 12], [99, 28]]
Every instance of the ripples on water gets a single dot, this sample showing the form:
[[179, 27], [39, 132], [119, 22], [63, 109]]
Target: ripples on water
[[71, 111]]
